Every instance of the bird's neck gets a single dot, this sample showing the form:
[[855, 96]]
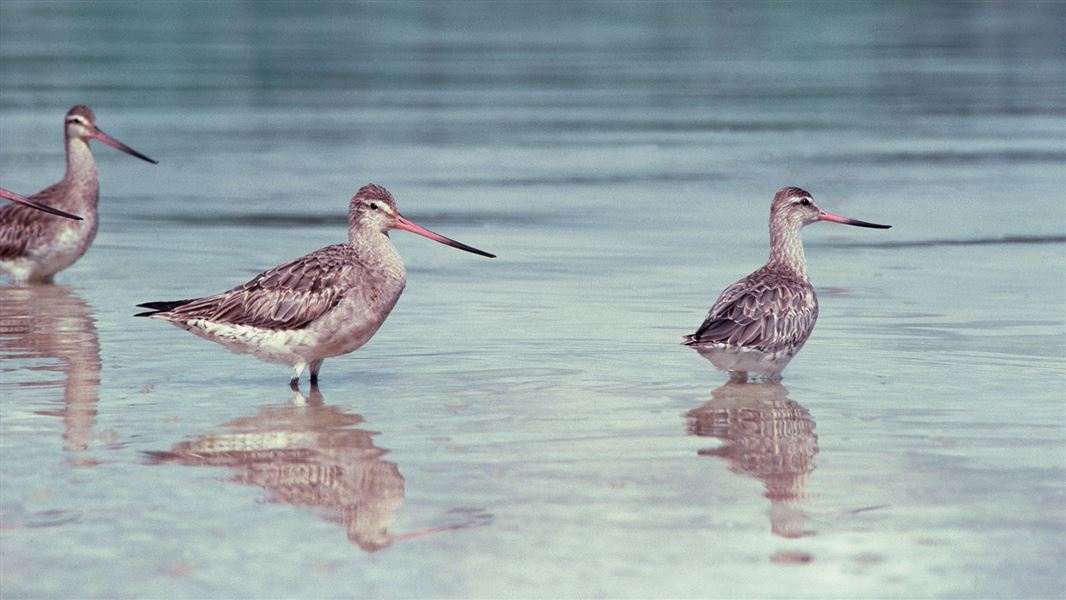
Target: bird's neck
[[361, 236], [786, 249], [83, 187], [375, 249]]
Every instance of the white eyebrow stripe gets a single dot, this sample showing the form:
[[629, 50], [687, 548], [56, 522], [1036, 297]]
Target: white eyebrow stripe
[[382, 206]]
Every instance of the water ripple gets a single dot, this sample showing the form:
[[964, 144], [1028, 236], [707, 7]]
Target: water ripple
[[1006, 239], [957, 158]]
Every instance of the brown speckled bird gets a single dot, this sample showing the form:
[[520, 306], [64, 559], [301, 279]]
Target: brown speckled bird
[[760, 322], [327, 303], [35, 246]]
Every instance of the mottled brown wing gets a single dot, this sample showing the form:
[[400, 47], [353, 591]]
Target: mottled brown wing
[[288, 296], [764, 313], [19, 225]]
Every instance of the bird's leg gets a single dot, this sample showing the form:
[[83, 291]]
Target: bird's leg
[[297, 370], [315, 366]]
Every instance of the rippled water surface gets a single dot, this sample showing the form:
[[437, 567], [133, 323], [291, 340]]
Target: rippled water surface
[[529, 426]]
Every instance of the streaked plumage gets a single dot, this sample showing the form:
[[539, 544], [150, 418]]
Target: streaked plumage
[[34, 246], [327, 303], [760, 322], [19, 199]]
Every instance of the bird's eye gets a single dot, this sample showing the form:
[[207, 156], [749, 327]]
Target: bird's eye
[[805, 202], [373, 206]]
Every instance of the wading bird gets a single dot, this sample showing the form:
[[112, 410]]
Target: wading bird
[[35, 246], [760, 322], [324, 304]]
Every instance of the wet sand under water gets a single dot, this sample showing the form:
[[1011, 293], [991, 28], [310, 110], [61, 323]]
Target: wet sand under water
[[907, 453], [531, 425]]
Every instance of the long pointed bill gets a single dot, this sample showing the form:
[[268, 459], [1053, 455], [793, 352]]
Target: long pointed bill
[[110, 141], [43, 207], [403, 223], [824, 216]]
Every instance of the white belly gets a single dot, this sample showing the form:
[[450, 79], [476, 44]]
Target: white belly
[[737, 359], [57, 250], [343, 329]]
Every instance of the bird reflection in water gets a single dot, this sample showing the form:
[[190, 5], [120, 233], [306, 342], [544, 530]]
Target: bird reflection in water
[[767, 436], [310, 455], [50, 329], [307, 454]]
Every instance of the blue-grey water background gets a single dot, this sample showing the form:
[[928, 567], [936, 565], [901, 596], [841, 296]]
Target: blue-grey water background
[[529, 426]]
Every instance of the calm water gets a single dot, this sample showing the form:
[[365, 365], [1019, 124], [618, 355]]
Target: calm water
[[529, 426]]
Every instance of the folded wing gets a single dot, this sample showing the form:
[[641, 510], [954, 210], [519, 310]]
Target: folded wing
[[762, 312], [19, 226], [288, 296]]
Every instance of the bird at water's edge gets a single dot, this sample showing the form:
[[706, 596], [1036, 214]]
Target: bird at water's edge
[[34, 246], [760, 322], [324, 304]]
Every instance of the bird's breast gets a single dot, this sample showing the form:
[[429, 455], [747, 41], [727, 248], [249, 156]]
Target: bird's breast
[[359, 314]]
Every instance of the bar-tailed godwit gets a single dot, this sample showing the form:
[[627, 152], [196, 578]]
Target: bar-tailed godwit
[[12, 196], [324, 304], [34, 246], [760, 322]]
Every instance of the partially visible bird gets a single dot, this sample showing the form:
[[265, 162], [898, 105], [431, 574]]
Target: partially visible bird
[[324, 304], [12, 196], [34, 246], [760, 322]]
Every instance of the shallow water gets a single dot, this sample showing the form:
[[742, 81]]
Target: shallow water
[[530, 425]]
